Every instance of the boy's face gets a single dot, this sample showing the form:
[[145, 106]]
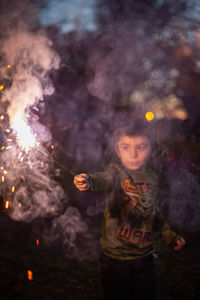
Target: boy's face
[[133, 151]]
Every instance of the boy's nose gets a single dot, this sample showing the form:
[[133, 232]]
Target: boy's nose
[[134, 153]]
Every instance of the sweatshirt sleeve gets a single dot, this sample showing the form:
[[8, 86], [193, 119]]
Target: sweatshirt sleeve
[[169, 236], [103, 181]]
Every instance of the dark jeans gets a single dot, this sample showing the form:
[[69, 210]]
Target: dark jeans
[[128, 280]]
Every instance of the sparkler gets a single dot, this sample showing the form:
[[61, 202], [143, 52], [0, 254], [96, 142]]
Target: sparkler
[[21, 139]]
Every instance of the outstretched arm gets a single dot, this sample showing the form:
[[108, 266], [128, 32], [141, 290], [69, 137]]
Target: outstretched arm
[[97, 182]]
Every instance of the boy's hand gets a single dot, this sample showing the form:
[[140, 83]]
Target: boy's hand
[[81, 182], [179, 243]]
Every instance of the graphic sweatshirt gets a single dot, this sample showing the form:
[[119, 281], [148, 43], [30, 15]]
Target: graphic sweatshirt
[[131, 216]]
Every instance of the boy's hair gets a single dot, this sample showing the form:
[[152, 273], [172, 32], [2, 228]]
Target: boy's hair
[[135, 127]]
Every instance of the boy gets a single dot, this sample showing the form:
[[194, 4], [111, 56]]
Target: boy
[[130, 217]]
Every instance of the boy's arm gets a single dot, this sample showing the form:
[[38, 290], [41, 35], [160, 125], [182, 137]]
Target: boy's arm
[[100, 181], [170, 237], [96, 182]]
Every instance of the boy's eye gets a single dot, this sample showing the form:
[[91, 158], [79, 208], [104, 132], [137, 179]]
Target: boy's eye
[[142, 147], [124, 147]]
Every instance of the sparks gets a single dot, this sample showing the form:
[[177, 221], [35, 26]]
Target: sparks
[[23, 132], [29, 275], [37, 242], [7, 204], [13, 189], [2, 178]]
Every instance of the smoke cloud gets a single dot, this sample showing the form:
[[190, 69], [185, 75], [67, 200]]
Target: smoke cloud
[[30, 58], [27, 60]]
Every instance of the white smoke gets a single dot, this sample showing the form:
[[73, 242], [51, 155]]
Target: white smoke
[[31, 58], [76, 234]]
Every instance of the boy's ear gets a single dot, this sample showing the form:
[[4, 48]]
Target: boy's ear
[[117, 151]]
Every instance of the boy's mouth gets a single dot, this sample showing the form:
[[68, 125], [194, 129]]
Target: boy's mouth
[[134, 164]]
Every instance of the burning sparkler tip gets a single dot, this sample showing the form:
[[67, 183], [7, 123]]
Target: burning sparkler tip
[[25, 136]]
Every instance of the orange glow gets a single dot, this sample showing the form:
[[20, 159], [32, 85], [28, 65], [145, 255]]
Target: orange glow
[[1, 87], [7, 204], [2, 117], [29, 275], [8, 66], [52, 146], [2, 178], [180, 114], [5, 172], [37, 242], [149, 116], [13, 189]]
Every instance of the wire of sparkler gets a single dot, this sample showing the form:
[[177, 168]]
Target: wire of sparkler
[[62, 166]]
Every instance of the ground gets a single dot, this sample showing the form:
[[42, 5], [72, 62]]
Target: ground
[[58, 277]]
